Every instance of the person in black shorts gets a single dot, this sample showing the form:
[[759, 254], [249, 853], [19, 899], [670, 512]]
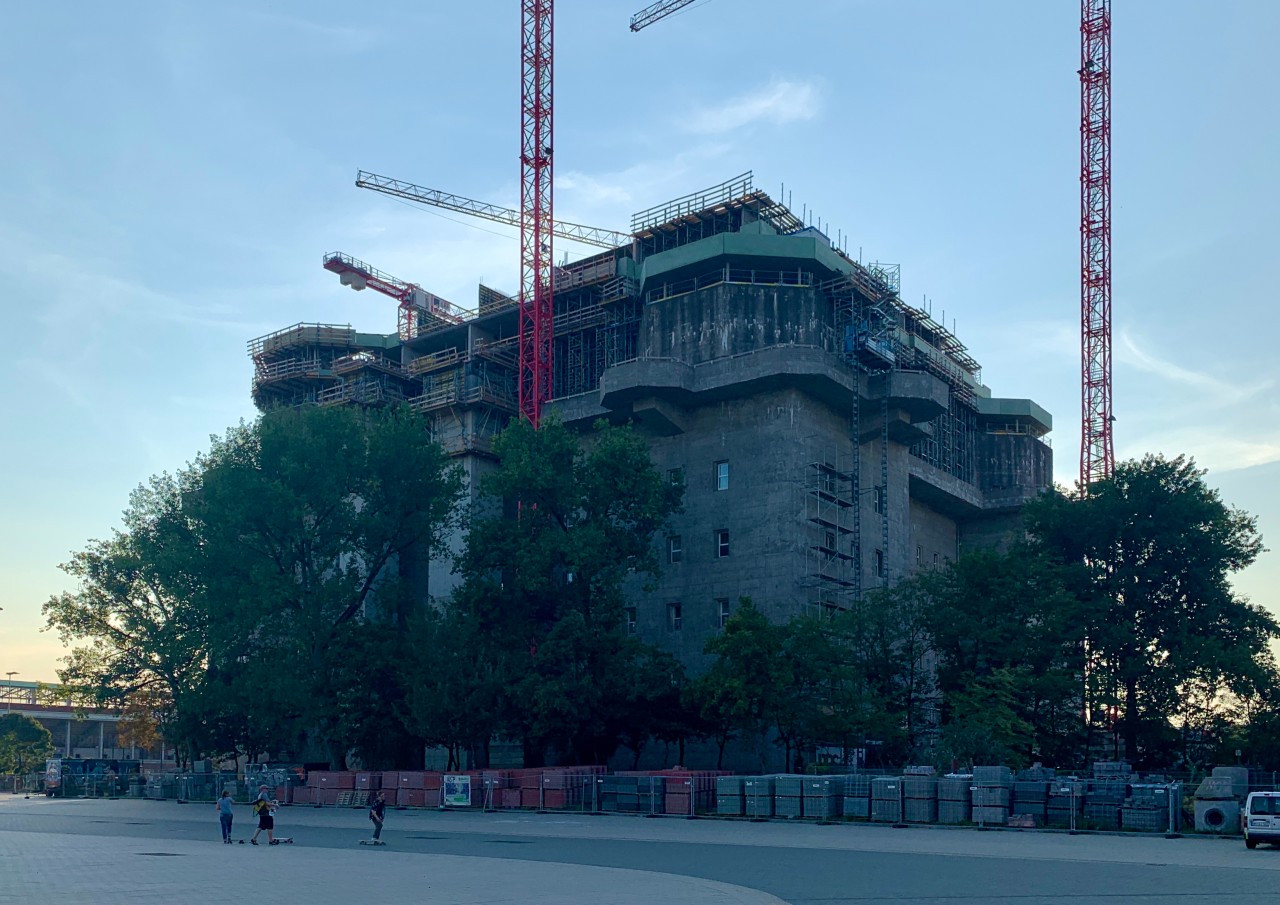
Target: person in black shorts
[[262, 806]]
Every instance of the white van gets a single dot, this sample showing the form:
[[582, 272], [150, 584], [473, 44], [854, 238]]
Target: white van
[[1260, 819]]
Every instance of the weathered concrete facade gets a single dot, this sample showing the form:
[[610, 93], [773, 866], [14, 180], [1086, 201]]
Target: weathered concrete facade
[[831, 437]]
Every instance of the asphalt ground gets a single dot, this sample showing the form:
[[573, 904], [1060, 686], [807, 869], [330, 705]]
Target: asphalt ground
[[134, 851]]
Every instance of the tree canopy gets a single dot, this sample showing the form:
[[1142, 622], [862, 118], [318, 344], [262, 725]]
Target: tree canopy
[[239, 587], [24, 744], [1150, 554]]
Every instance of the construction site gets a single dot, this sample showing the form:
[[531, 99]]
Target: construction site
[[832, 438]]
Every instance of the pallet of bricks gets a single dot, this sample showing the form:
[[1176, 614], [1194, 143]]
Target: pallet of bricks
[[326, 786], [730, 800], [992, 794], [498, 789], [416, 789], [633, 792], [571, 788], [1104, 795], [690, 792], [1065, 803], [797, 795], [886, 799], [1147, 807], [823, 797], [857, 796], [919, 795], [955, 798], [1029, 802], [757, 796], [788, 795]]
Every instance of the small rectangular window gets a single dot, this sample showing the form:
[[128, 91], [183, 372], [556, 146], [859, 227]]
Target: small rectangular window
[[722, 605], [674, 549], [675, 475], [629, 616], [877, 500], [675, 617], [935, 559], [722, 542], [919, 555], [722, 475], [880, 564]]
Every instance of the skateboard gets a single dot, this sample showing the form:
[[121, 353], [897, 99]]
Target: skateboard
[[288, 840], [372, 842]]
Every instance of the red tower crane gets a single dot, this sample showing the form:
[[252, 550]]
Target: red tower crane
[[1097, 454], [536, 299], [415, 302]]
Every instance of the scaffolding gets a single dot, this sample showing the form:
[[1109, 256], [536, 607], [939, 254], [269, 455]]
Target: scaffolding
[[830, 513]]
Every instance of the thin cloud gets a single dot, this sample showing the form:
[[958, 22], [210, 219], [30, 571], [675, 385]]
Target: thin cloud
[[781, 101], [1131, 354]]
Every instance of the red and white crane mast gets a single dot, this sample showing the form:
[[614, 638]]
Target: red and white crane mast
[[536, 229], [1097, 454]]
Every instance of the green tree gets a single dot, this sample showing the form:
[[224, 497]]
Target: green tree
[[984, 725], [24, 744], [740, 694], [1154, 548], [545, 572], [135, 625], [237, 586], [1009, 613], [315, 521]]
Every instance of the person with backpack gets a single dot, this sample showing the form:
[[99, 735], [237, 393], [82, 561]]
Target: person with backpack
[[263, 807]]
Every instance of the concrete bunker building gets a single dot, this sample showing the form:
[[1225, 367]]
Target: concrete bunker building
[[832, 438]]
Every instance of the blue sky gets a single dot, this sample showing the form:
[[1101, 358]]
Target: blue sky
[[172, 173]]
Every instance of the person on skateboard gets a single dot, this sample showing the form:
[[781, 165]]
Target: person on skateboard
[[377, 813]]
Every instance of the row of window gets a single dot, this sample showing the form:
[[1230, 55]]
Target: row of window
[[675, 545], [675, 615], [719, 475]]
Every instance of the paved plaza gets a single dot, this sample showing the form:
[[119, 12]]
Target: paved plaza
[[142, 852]]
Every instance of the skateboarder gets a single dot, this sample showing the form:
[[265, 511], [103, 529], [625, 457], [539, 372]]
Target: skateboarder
[[377, 813], [262, 806], [225, 815]]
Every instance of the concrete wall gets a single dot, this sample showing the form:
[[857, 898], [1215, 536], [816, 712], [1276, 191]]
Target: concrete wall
[[731, 319], [933, 538], [766, 441]]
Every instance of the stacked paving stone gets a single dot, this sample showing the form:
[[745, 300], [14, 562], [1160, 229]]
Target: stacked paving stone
[[788, 795], [1105, 793], [823, 797], [857, 796], [1029, 801], [632, 794], [1065, 802], [920, 795], [992, 787], [1146, 809], [729, 798], [757, 794], [955, 798], [886, 799], [1103, 800]]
